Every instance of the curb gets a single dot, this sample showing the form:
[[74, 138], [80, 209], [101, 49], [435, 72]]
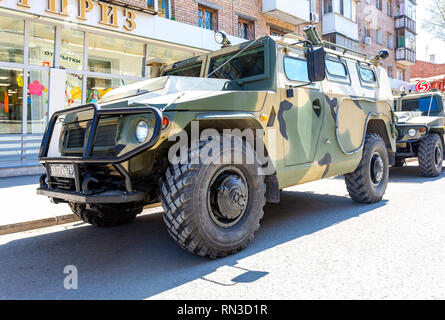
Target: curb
[[49, 222], [37, 224]]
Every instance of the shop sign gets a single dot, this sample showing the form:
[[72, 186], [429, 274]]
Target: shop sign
[[109, 15], [423, 86]]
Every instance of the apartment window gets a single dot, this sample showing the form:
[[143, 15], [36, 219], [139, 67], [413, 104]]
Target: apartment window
[[389, 8], [390, 72], [390, 40], [277, 33], [406, 39], [327, 6], [246, 29], [341, 40], [346, 8], [366, 29], [410, 9], [207, 18], [378, 36], [163, 7], [378, 4], [400, 74]]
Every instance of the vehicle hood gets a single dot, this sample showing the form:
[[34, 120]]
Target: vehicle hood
[[416, 117], [184, 93]]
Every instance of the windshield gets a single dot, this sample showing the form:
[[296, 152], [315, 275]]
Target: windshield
[[191, 70], [246, 64], [425, 104]]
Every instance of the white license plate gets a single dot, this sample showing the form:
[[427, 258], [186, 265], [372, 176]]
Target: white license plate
[[61, 170]]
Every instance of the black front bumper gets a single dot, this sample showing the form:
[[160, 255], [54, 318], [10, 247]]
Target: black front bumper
[[80, 191], [112, 196]]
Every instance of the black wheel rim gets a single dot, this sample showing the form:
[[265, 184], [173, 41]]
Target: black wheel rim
[[228, 196], [376, 168], [438, 156]]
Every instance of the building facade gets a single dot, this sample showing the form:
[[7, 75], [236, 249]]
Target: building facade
[[62, 53], [372, 25]]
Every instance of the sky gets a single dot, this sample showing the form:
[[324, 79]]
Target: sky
[[424, 39]]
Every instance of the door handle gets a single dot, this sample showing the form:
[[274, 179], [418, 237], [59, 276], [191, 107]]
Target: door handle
[[316, 106]]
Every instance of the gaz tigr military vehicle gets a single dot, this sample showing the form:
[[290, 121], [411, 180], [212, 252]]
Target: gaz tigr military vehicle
[[317, 112], [420, 130]]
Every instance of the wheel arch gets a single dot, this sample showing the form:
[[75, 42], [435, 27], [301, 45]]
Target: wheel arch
[[241, 122], [378, 126]]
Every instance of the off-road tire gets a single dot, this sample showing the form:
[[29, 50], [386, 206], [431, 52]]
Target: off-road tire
[[185, 193], [360, 183], [427, 158], [399, 162], [107, 215]]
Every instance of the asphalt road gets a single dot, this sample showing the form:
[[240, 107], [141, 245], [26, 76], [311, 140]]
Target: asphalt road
[[316, 244]]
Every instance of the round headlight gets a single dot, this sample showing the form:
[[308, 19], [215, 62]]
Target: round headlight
[[141, 131], [412, 132]]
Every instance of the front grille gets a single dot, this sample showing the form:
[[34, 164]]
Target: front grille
[[63, 183], [106, 135], [76, 137]]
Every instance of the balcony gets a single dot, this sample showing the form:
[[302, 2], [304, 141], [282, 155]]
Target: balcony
[[404, 22], [405, 56], [336, 23], [293, 11]]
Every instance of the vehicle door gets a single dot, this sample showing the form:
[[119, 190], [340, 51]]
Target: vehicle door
[[300, 113]]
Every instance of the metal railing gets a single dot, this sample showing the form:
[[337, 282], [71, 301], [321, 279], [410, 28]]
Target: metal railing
[[18, 150]]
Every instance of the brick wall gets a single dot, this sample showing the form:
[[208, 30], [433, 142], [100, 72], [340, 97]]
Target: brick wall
[[423, 69], [186, 11], [379, 19]]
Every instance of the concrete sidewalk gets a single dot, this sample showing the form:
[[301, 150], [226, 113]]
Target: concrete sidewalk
[[21, 209]]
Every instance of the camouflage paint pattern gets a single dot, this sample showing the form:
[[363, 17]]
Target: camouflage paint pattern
[[310, 126]]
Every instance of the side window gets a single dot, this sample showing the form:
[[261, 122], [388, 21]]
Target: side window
[[366, 75], [191, 70], [296, 69], [336, 68]]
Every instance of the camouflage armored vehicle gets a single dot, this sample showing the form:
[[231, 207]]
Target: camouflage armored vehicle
[[420, 128], [217, 136]]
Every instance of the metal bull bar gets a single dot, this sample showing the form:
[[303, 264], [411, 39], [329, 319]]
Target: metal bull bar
[[88, 158]]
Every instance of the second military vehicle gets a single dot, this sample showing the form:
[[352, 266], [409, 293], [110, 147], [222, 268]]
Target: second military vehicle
[[217, 136], [420, 128]]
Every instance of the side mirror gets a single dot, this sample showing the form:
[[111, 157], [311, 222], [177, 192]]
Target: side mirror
[[316, 64]]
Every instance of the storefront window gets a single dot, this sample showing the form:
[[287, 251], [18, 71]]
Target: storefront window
[[168, 54], [11, 39], [98, 87], [37, 101], [11, 95], [71, 49], [114, 55], [73, 90], [41, 44]]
